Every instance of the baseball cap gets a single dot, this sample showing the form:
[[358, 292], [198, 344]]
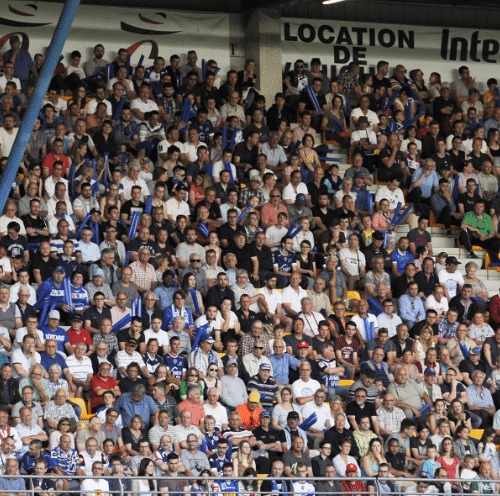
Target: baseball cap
[[301, 199], [293, 415], [264, 413], [429, 371], [254, 397], [474, 350], [359, 174], [378, 236], [256, 178], [303, 344], [452, 261], [231, 361], [14, 39], [54, 314], [98, 272], [265, 366], [181, 187], [132, 341], [351, 468], [60, 268], [76, 318], [207, 338], [445, 86]]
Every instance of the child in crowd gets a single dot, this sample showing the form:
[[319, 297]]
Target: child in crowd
[[486, 449], [430, 465], [420, 254], [468, 472], [440, 262], [380, 387]]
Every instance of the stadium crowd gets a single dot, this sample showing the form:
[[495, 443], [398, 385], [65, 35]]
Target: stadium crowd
[[224, 300]]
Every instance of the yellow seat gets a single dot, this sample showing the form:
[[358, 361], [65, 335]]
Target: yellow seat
[[346, 382], [261, 476], [222, 355], [81, 403], [476, 433], [354, 295]]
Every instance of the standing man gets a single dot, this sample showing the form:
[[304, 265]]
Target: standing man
[[23, 63]]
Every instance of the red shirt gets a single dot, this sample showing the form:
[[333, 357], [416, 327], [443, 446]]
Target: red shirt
[[197, 411], [48, 163], [98, 381], [84, 337]]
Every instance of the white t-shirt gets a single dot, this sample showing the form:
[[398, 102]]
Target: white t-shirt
[[274, 235], [5, 264], [289, 295], [394, 197], [371, 116], [59, 106], [220, 166], [301, 389], [52, 224], [80, 370], [353, 261], [322, 413], [92, 106], [290, 194], [127, 184], [7, 140], [94, 487], [161, 336], [4, 222], [452, 281], [3, 83], [360, 323], [137, 103], [273, 300], [304, 488], [174, 208], [340, 195], [441, 307], [19, 357], [14, 293], [20, 333], [219, 413]]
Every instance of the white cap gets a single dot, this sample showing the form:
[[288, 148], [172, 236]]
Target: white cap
[[54, 314]]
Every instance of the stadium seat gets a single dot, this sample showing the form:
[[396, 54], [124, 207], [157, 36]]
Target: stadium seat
[[81, 403]]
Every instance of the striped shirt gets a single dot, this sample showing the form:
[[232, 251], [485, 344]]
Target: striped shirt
[[80, 369]]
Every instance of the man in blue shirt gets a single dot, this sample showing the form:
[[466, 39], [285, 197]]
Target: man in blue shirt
[[204, 126], [53, 331], [411, 308], [401, 257], [424, 182], [136, 403], [23, 63]]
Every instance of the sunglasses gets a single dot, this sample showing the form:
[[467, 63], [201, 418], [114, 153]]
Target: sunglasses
[[258, 347], [193, 375]]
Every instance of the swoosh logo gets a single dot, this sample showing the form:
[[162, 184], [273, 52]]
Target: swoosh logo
[[18, 24], [149, 21], [154, 48], [19, 12], [136, 30]]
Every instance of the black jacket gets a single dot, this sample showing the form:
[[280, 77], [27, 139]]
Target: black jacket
[[462, 315], [13, 387]]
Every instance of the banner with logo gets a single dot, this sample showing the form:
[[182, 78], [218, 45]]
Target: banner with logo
[[431, 49], [145, 32]]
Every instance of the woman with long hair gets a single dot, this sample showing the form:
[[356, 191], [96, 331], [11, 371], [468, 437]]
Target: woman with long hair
[[308, 157], [306, 263], [189, 283], [329, 124], [282, 409], [372, 460], [435, 85], [145, 485], [201, 181], [243, 460], [110, 199], [408, 363], [464, 445], [227, 323], [448, 459], [80, 98], [247, 77], [423, 342], [458, 416], [438, 414], [382, 221], [78, 154], [192, 377], [132, 434]]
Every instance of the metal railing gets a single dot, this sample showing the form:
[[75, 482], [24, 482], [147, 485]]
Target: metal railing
[[373, 485]]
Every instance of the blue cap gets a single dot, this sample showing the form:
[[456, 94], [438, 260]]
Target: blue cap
[[429, 371], [98, 273], [301, 199], [265, 366], [60, 268], [475, 350], [264, 413]]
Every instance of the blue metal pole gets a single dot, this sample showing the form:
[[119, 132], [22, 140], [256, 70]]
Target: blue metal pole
[[42, 85]]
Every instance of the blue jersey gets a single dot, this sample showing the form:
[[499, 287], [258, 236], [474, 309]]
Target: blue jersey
[[176, 365], [284, 262], [28, 463], [206, 130], [80, 297], [49, 293], [231, 487], [329, 380], [59, 335], [217, 464], [154, 79], [46, 361], [401, 260]]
